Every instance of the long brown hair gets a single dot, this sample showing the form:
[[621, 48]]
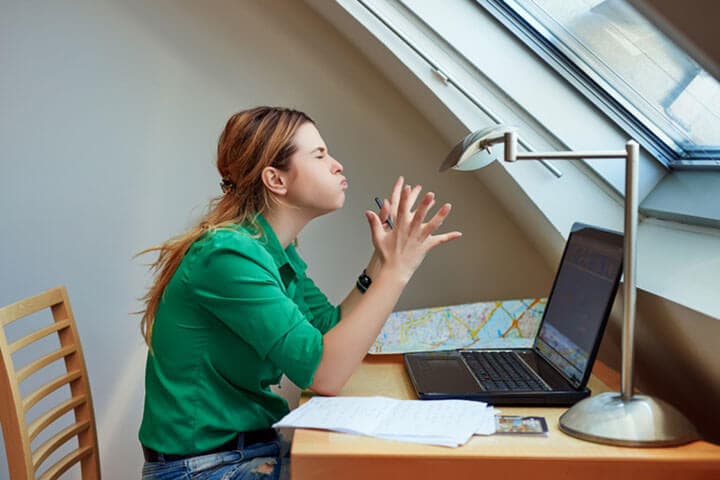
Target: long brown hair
[[252, 140]]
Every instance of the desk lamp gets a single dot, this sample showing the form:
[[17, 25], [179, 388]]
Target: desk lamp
[[615, 418]]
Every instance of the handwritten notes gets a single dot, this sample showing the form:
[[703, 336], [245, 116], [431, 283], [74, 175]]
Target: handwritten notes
[[440, 422]]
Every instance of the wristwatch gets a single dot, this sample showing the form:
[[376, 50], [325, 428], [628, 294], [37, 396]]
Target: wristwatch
[[363, 282]]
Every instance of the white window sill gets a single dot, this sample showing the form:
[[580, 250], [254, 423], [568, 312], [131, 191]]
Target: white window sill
[[690, 197]]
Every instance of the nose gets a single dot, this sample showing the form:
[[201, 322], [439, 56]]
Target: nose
[[336, 166]]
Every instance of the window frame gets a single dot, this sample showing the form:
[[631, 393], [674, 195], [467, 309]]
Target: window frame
[[596, 89]]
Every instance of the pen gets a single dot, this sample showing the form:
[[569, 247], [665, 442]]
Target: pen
[[388, 221]]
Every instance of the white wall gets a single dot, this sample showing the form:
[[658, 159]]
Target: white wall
[[109, 114]]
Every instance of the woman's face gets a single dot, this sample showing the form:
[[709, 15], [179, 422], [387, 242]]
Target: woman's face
[[315, 180]]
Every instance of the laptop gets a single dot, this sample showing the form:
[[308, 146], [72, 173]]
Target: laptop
[[555, 371]]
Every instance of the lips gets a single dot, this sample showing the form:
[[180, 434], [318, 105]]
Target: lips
[[344, 183]]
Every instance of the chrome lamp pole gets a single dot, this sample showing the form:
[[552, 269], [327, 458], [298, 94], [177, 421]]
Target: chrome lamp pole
[[616, 418]]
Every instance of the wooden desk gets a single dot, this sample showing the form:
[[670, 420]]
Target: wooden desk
[[319, 455]]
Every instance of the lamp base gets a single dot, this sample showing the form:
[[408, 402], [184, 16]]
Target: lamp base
[[638, 421]]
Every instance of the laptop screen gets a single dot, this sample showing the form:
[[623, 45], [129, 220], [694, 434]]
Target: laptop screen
[[580, 301]]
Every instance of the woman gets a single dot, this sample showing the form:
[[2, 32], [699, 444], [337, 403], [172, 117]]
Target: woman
[[231, 309]]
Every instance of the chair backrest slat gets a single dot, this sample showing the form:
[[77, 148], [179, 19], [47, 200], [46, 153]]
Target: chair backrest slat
[[53, 414], [54, 472], [23, 463], [44, 362], [38, 334], [52, 444], [48, 388]]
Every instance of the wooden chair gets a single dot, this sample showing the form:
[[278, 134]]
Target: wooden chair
[[22, 461]]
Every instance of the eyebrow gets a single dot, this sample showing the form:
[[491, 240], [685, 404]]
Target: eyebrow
[[321, 149]]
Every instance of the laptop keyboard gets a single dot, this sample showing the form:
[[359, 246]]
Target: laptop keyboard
[[502, 371]]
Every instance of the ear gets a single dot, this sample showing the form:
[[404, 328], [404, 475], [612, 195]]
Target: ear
[[275, 180]]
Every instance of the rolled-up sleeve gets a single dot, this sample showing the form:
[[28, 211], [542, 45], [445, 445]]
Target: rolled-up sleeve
[[242, 292]]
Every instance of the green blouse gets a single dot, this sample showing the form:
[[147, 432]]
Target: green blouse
[[237, 314]]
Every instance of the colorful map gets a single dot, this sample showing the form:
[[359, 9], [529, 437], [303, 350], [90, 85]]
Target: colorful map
[[499, 324]]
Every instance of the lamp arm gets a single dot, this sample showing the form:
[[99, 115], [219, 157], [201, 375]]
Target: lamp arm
[[570, 155], [511, 154]]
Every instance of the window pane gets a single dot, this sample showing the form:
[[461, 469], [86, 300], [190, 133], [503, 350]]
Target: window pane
[[641, 67]]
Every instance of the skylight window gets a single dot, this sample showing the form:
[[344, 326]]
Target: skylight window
[[629, 69]]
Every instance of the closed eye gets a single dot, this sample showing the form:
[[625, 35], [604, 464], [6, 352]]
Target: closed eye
[[320, 152]]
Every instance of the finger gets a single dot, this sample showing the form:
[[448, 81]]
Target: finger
[[403, 209], [437, 220], [395, 194], [413, 196], [410, 195], [436, 240], [376, 228], [426, 204]]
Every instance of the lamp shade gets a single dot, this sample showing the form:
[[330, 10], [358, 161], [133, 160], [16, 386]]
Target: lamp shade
[[477, 149]]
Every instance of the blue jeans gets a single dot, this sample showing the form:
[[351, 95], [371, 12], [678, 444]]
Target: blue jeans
[[267, 461]]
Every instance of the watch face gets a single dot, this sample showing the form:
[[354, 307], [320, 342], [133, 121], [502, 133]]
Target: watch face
[[364, 280]]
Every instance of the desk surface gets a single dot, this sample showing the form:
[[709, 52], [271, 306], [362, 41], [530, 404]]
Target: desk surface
[[321, 455]]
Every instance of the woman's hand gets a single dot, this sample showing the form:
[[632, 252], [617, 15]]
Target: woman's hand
[[403, 248], [398, 253]]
